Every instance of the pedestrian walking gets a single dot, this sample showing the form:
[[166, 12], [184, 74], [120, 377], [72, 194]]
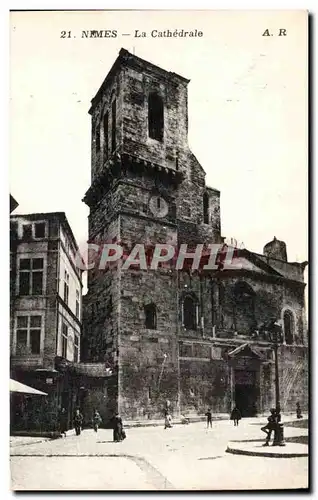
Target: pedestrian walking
[[270, 426], [208, 418], [78, 421], [97, 420], [168, 420], [63, 421], [118, 429], [236, 415]]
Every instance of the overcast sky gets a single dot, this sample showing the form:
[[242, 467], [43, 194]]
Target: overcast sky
[[247, 111]]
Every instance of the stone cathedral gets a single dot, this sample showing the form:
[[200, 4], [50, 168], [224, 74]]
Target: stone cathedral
[[190, 340]]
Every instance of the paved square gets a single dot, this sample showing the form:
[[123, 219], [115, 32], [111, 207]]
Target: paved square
[[186, 457]]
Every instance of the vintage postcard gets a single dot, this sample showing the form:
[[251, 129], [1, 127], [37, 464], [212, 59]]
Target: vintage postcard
[[158, 250]]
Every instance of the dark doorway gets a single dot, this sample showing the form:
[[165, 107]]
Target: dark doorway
[[246, 392]]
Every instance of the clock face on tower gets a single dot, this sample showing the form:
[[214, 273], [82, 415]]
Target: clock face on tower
[[158, 206]]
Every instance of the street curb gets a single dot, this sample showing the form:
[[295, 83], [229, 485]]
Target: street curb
[[269, 453], [158, 423], [28, 444]]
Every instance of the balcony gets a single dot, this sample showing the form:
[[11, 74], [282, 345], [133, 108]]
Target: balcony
[[27, 362]]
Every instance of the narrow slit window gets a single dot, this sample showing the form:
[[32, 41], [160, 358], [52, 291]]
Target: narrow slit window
[[289, 327], [114, 126], [106, 132], [206, 208], [150, 316], [189, 313], [97, 138]]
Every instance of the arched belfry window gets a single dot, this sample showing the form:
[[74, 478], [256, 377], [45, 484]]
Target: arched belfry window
[[189, 310], [155, 116], [289, 326], [151, 316], [206, 208], [244, 308]]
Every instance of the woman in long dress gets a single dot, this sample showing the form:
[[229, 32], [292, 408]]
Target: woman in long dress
[[236, 415]]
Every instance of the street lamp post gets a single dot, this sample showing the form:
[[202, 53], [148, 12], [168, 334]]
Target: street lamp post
[[274, 331]]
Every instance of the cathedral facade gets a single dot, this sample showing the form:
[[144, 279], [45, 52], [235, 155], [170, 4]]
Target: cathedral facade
[[187, 339]]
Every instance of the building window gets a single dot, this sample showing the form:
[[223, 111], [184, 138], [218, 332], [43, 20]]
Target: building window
[[76, 348], [64, 340], [39, 230], [13, 231], [106, 132], [244, 308], [113, 125], [29, 334], [27, 231], [31, 277], [206, 208], [289, 327], [22, 334], [190, 312], [77, 307], [66, 286], [151, 316], [155, 117]]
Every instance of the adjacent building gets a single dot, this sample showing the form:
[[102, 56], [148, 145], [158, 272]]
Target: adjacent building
[[45, 315], [192, 339]]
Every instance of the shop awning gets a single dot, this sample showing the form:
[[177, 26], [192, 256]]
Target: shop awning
[[16, 386]]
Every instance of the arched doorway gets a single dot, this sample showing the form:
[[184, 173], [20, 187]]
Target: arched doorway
[[189, 312]]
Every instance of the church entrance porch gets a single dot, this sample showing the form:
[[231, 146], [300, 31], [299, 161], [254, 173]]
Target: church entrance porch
[[245, 362], [246, 392]]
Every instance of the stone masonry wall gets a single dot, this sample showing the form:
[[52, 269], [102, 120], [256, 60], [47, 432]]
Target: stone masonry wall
[[142, 390], [205, 384], [271, 299]]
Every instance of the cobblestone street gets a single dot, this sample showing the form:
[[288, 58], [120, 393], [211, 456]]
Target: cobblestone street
[[184, 457]]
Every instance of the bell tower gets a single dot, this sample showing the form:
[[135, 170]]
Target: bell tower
[[147, 187]]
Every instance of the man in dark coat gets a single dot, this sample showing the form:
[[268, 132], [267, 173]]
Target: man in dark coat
[[236, 415], [208, 418], [78, 421], [273, 420]]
